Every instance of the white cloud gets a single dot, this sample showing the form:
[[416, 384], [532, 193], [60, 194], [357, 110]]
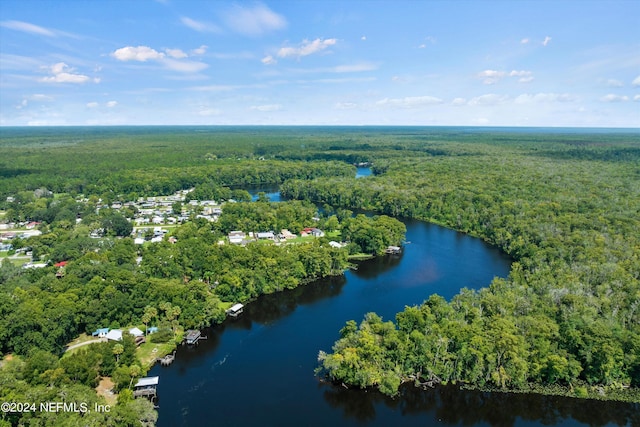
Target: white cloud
[[171, 60], [254, 20], [269, 60], [92, 105], [636, 81], [184, 66], [201, 27], [459, 101], [62, 73], [525, 41], [409, 101], [26, 27], [614, 98], [488, 99], [176, 53], [112, 104], [200, 51], [306, 48], [636, 98], [544, 97], [363, 38], [267, 108], [491, 76], [140, 53], [546, 41]]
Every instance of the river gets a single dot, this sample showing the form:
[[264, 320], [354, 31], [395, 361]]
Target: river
[[257, 370]]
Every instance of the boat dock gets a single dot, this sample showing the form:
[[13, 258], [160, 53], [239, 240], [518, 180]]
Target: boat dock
[[236, 310], [167, 360], [193, 336], [394, 250]]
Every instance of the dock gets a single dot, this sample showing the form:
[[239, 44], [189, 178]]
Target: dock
[[394, 250], [167, 360], [193, 336], [236, 310], [146, 387]]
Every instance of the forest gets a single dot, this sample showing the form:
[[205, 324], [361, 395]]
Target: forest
[[564, 204]]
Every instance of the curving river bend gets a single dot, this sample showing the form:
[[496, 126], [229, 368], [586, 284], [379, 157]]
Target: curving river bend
[[258, 370]]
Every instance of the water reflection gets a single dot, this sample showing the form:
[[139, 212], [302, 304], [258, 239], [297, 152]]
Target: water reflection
[[450, 405]]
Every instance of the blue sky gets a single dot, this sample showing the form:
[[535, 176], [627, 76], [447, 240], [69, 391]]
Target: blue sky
[[493, 63]]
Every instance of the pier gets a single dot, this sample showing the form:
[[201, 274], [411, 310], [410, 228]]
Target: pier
[[167, 360], [236, 310], [193, 336]]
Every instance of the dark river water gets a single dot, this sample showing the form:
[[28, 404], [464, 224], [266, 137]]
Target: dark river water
[[257, 370]]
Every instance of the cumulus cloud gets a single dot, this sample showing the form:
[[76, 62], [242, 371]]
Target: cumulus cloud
[[614, 98], [62, 73], [199, 26], [26, 27], [525, 41], [546, 41], [636, 81], [269, 60], [490, 77], [488, 99], [254, 20], [172, 60], [526, 98], [459, 101], [306, 48], [363, 38], [176, 53], [636, 98], [200, 50], [112, 104], [409, 101], [139, 53], [266, 108]]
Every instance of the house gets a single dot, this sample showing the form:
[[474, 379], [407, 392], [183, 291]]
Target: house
[[136, 332], [61, 264], [146, 387], [152, 329], [335, 244], [138, 241], [31, 225], [100, 333], [286, 234], [114, 335], [266, 235], [236, 237]]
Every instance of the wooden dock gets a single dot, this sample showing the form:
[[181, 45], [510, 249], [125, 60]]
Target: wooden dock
[[167, 360], [193, 336]]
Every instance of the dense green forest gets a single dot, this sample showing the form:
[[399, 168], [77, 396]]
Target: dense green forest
[[565, 204]]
